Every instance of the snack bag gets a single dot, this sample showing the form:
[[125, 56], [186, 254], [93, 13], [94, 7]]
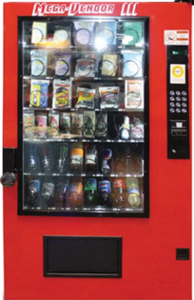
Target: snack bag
[[29, 122], [62, 93], [77, 123], [84, 31], [39, 93], [101, 124], [106, 34], [38, 62], [89, 124], [85, 67], [62, 36], [62, 64], [132, 34], [39, 30], [109, 65], [109, 96], [132, 64], [134, 94], [41, 122], [85, 98]]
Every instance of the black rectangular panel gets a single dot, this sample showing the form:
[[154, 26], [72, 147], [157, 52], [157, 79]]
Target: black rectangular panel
[[75, 256], [178, 102], [9, 160], [182, 254]]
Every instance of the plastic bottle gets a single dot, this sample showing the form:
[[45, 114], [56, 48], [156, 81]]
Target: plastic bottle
[[125, 129], [91, 160], [118, 194], [76, 158], [75, 194], [133, 192], [106, 161], [90, 192], [104, 193]]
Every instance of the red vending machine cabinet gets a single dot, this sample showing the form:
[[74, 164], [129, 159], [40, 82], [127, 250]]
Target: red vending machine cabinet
[[97, 150]]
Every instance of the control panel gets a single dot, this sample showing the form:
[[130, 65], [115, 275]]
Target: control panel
[[178, 102]]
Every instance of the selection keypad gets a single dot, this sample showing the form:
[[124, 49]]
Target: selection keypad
[[178, 102]]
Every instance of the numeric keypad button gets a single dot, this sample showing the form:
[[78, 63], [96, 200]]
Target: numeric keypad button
[[178, 104], [178, 93], [178, 99], [184, 104], [184, 99], [172, 104], [172, 93], [172, 110], [184, 110], [178, 110], [172, 99], [184, 93]]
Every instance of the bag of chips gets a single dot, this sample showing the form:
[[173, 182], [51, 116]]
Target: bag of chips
[[62, 93], [39, 93], [85, 98], [109, 96]]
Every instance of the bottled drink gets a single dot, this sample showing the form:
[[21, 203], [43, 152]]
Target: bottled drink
[[104, 193], [32, 164], [118, 194], [47, 194], [91, 160], [133, 192], [76, 157], [75, 194], [106, 161], [33, 192], [90, 192], [46, 159], [62, 159], [125, 129], [60, 194]]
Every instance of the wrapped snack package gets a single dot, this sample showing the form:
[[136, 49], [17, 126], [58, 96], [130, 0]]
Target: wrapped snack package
[[39, 31], [41, 123], [85, 67], [53, 128], [38, 62], [85, 98], [134, 94], [62, 36], [39, 93], [62, 64], [109, 64], [29, 122], [89, 124], [101, 124], [84, 32], [109, 96], [132, 34], [132, 64], [62, 93], [77, 123], [105, 34]]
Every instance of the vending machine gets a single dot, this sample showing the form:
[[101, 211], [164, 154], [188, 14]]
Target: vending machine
[[97, 150]]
